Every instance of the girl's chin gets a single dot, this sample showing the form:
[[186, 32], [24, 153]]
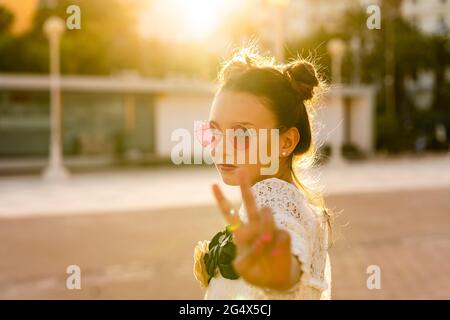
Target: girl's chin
[[229, 178]]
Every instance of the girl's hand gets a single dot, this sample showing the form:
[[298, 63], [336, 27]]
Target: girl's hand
[[263, 255]]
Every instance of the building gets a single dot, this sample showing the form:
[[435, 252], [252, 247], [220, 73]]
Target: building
[[132, 119], [111, 117]]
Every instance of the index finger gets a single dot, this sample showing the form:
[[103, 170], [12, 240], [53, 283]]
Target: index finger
[[224, 206], [247, 196]]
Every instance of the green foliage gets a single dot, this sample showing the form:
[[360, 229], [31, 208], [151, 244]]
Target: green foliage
[[105, 42], [6, 19], [222, 252], [413, 51]]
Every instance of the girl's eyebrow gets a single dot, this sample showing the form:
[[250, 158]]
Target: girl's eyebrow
[[243, 123], [214, 124]]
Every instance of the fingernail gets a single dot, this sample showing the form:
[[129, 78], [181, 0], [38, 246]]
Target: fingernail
[[275, 252], [257, 244], [266, 237]]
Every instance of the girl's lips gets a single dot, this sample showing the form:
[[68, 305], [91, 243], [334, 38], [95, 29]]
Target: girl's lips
[[226, 167]]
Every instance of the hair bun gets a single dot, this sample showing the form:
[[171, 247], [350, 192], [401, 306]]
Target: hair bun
[[303, 78]]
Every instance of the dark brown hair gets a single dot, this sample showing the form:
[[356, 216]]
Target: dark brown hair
[[282, 88], [286, 89]]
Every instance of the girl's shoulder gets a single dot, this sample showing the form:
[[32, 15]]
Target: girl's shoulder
[[277, 188], [284, 198]]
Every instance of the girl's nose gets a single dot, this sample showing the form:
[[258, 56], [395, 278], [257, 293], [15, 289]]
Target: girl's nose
[[221, 154]]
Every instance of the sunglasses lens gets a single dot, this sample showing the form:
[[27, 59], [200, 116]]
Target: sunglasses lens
[[208, 136], [204, 134]]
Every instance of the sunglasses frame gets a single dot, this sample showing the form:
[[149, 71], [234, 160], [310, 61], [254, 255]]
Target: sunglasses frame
[[200, 130]]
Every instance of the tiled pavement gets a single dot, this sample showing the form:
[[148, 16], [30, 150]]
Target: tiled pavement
[[151, 189], [407, 234], [148, 254]]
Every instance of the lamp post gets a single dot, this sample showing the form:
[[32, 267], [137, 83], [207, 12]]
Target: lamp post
[[355, 45], [53, 29], [279, 20], [336, 47]]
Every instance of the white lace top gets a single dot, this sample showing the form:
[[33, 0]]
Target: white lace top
[[308, 229]]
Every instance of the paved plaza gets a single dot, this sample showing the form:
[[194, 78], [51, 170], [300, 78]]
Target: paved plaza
[[184, 186], [132, 233]]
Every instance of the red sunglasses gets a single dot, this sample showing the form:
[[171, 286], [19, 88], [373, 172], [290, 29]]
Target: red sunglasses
[[209, 136], [239, 137]]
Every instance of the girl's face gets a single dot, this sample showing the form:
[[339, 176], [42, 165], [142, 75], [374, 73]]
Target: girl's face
[[244, 111]]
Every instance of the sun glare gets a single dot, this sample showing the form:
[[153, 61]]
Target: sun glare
[[201, 17], [181, 20]]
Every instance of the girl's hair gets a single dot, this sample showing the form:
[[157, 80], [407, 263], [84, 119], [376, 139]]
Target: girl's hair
[[289, 91]]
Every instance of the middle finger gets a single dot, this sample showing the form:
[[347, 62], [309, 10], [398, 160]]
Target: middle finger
[[247, 196]]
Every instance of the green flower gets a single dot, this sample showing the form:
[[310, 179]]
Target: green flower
[[222, 252]]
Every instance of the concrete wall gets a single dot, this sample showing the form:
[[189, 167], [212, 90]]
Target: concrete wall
[[181, 110], [179, 104]]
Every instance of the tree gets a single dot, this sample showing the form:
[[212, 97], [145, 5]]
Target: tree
[[106, 42], [400, 50], [6, 19]]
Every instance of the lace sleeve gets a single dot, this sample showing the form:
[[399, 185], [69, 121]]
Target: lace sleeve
[[292, 213]]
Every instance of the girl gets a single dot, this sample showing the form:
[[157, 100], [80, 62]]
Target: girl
[[276, 246]]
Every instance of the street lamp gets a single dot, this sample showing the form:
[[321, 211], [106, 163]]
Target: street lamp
[[53, 29], [280, 8], [355, 44], [336, 47]]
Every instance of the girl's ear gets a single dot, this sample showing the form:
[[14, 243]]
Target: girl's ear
[[288, 141]]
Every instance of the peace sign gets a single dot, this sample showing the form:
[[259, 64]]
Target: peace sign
[[263, 255]]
